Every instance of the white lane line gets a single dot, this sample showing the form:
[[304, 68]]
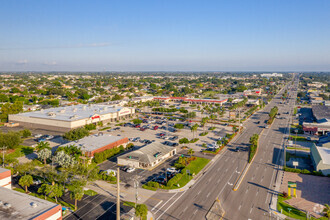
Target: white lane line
[[239, 207], [157, 205], [208, 195], [199, 192], [171, 204], [195, 212], [185, 209], [81, 217], [165, 203]]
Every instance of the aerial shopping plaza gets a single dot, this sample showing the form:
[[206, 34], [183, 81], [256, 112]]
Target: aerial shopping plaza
[[70, 117]]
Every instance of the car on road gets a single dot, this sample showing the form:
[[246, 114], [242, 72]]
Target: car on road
[[130, 169]]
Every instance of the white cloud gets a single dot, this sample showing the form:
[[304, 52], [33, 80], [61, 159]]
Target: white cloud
[[50, 63], [22, 62]]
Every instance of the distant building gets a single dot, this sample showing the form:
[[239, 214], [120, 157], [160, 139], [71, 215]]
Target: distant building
[[98, 143], [16, 205], [268, 75], [147, 157], [192, 100], [66, 118], [321, 158]]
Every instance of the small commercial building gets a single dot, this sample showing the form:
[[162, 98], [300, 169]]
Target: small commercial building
[[147, 157], [321, 158], [16, 205], [5, 178], [98, 143], [321, 116], [63, 119]]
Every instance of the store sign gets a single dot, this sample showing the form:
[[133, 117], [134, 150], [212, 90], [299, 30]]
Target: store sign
[[125, 112], [95, 117]]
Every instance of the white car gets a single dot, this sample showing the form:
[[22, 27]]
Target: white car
[[130, 169], [37, 135], [172, 170]]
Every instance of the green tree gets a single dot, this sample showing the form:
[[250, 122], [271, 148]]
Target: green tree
[[141, 211], [76, 192], [193, 129], [55, 190], [191, 152], [42, 145], [10, 140], [25, 181], [44, 189], [26, 133], [326, 210], [44, 154]]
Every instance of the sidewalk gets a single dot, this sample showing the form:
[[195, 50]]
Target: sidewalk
[[126, 193]]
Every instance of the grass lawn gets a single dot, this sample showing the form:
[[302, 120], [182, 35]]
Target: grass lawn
[[298, 148], [20, 151], [194, 167], [298, 138], [106, 128], [293, 213]]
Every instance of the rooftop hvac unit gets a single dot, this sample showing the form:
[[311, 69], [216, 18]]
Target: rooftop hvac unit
[[74, 117], [74, 109], [62, 111], [51, 114], [34, 204]]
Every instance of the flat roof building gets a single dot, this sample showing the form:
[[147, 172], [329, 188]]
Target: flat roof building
[[147, 157], [98, 143], [5, 178], [16, 205], [321, 158], [66, 118], [321, 113], [192, 100]]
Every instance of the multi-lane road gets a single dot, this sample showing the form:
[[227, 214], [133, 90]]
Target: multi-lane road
[[251, 200]]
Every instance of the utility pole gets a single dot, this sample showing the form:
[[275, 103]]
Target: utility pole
[[3, 155], [118, 196], [136, 183]]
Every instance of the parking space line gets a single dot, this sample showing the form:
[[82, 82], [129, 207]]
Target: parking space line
[[105, 211]]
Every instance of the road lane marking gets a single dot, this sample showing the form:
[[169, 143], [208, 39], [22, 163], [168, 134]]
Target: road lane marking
[[165, 203], [157, 205], [239, 207], [171, 205], [195, 212], [208, 195], [199, 192]]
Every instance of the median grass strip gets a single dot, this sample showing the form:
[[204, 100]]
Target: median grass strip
[[253, 147], [298, 138]]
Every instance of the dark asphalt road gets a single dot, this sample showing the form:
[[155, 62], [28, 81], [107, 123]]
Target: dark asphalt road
[[251, 200]]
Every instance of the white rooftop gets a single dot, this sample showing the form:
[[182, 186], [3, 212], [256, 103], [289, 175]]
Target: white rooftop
[[22, 206], [94, 142], [72, 113], [325, 154]]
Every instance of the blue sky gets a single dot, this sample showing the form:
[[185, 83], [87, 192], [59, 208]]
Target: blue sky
[[165, 35]]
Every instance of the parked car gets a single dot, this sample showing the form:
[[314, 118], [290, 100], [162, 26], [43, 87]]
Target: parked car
[[155, 128], [37, 135], [36, 182], [48, 137], [142, 129], [174, 138], [162, 134]]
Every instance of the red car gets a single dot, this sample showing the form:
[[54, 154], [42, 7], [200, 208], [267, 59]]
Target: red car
[[162, 134], [156, 127], [137, 126]]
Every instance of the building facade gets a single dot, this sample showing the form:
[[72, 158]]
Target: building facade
[[66, 118]]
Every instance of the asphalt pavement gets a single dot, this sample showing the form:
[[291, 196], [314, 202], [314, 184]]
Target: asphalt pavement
[[251, 200]]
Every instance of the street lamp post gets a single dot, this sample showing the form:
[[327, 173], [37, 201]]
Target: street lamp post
[[295, 144], [3, 155]]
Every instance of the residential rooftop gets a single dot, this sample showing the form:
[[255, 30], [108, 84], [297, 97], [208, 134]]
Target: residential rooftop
[[73, 112], [325, 154], [16, 205]]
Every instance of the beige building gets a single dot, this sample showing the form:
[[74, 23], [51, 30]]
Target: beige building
[[147, 157], [66, 118]]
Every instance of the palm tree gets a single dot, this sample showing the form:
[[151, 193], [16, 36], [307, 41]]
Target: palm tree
[[326, 210], [26, 181], [44, 154], [193, 129], [191, 152], [42, 145], [77, 193]]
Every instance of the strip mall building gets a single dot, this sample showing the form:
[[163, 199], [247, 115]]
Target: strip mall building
[[66, 118]]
